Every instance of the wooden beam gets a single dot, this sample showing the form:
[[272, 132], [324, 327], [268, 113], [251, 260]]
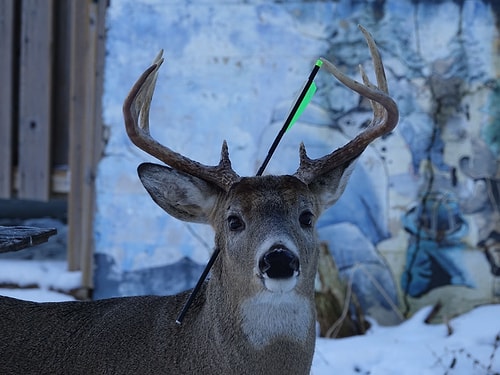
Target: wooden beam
[[86, 141], [35, 99], [78, 16], [7, 20], [94, 137]]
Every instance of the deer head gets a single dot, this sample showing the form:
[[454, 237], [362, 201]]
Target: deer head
[[264, 226]]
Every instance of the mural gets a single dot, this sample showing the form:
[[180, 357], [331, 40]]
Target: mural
[[482, 167], [434, 258], [420, 219]]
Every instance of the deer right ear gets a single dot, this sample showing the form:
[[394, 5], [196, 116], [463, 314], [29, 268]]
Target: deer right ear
[[181, 195], [331, 185]]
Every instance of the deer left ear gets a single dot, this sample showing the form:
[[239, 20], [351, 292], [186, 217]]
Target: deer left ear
[[181, 195], [330, 185]]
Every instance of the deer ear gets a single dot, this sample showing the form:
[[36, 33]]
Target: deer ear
[[330, 186], [181, 195]]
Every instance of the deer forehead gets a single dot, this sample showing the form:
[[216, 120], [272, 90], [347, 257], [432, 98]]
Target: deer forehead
[[268, 195]]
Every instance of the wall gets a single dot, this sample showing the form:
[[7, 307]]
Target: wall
[[419, 221]]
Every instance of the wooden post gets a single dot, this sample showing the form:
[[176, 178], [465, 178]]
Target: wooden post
[[95, 139], [35, 99], [77, 122], [87, 63], [7, 19]]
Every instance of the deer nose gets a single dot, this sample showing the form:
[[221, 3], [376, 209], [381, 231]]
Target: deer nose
[[279, 263]]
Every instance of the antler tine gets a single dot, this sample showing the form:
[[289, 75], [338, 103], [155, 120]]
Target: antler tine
[[385, 117], [136, 114]]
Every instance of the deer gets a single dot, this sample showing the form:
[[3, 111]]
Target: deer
[[256, 313]]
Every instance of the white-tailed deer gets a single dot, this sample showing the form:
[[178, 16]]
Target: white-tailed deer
[[255, 315]]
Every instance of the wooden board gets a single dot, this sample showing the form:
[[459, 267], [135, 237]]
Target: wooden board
[[20, 237], [78, 16], [6, 91], [86, 140], [35, 100]]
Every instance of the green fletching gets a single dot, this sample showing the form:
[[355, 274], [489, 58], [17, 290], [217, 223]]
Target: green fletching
[[307, 98]]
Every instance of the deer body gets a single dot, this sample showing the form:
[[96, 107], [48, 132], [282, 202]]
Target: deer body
[[134, 335], [255, 315], [236, 325]]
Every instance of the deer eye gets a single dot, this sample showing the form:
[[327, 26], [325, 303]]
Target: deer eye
[[235, 223], [306, 219]]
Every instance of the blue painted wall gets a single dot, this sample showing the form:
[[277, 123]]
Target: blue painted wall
[[419, 221]]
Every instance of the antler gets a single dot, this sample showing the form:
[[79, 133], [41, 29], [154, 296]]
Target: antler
[[136, 114], [385, 118]]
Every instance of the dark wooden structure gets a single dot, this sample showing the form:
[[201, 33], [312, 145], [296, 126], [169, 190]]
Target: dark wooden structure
[[51, 69]]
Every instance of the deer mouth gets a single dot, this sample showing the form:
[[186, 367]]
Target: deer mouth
[[279, 269]]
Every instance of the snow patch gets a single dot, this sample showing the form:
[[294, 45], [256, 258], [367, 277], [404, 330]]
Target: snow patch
[[46, 274]]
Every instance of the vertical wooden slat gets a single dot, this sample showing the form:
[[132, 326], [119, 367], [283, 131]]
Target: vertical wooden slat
[[94, 138], [88, 159], [87, 64], [35, 100], [6, 91], [77, 121]]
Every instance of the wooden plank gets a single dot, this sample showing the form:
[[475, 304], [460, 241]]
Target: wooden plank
[[35, 99], [7, 20], [20, 237], [99, 77], [78, 16], [94, 138], [86, 143], [88, 160], [88, 28]]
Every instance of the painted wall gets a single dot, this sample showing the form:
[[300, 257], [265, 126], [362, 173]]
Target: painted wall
[[419, 221]]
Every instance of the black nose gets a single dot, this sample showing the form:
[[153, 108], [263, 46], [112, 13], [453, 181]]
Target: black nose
[[279, 263]]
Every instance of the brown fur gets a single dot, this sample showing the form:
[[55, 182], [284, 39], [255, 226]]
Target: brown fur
[[139, 334]]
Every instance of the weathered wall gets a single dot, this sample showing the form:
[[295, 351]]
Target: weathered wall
[[419, 221]]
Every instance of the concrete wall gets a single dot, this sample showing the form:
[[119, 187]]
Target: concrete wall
[[419, 221]]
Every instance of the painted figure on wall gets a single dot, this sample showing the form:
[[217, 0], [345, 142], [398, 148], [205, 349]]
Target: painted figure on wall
[[484, 170], [434, 256]]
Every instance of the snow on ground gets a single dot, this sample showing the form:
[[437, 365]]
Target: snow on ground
[[416, 348], [36, 295], [47, 274], [467, 345]]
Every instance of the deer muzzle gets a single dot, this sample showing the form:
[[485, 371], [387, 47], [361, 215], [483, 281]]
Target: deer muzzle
[[279, 263]]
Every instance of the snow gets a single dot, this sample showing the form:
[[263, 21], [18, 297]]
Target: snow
[[416, 348], [47, 274], [36, 295], [466, 345]]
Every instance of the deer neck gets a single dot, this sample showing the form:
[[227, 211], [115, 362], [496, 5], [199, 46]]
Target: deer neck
[[265, 328]]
